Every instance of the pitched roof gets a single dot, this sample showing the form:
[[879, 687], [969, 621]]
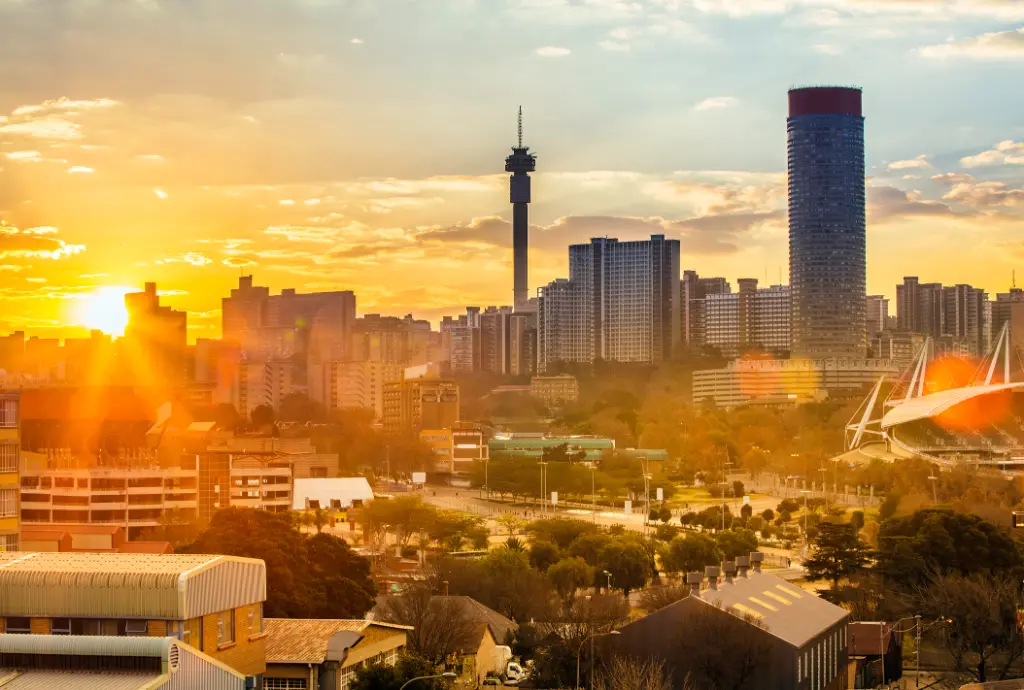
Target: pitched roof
[[304, 641], [786, 611], [499, 626], [13, 679], [867, 639]]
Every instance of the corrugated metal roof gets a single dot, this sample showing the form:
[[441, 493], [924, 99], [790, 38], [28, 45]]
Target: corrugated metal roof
[[173, 586], [86, 645], [80, 680], [304, 640]]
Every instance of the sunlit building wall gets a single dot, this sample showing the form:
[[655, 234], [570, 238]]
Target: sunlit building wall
[[9, 465]]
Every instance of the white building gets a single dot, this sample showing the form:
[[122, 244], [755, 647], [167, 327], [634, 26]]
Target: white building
[[750, 319]]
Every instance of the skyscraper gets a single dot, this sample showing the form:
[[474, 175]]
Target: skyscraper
[[521, 163], [827, 227]]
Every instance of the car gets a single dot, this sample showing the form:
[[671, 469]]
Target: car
[[491, 682]]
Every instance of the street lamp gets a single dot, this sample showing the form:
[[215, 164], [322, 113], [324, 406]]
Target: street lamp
[[805, 492], [447, 675], [580, 651], [593, 490], [608, 573], [543, 486]]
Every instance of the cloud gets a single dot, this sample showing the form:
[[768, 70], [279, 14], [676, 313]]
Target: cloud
[[34, 243], [23, 155], [828, 49], [1005, 153], [984, 194], [938, 10], [919, 162], [192, 258], [552, 51], [80, 170], [356, 41], [999, 45], [952, 178], [615, 46], [44, 128], [716, 102], [888, 203], [64, 105], [160, 194]]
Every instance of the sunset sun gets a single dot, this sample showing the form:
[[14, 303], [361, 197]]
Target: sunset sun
[[104, 310]]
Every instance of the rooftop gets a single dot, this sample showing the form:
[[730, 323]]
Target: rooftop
[[305, 641], [928, 406], [15, 679]]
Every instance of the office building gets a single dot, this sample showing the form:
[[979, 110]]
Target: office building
[[412, 405], [693, 291], [267, 383], [748, 320], [788, 382], [877, 314], [956, 315], [153, 350], [1003, 309], [347, 385], [899, 347], [213, 604], [621, 303], [10, 483], [403, 341], [521, 163], [827, 233]]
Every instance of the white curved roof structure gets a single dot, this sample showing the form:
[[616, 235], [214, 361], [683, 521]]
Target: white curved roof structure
[[934, 404]]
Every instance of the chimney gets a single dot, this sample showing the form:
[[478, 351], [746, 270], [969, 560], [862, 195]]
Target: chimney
[[694, 579], [729, 568], [711, 573], [756, 559], [742, 565]]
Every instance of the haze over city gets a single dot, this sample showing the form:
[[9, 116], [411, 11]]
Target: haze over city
[[326, 146]]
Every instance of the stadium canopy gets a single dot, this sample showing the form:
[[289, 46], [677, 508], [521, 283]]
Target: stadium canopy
[[928, 406]]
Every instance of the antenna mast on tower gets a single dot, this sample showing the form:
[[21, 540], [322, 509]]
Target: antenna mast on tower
[[520, 126]]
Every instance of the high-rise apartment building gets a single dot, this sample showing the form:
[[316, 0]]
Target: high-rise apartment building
[[877, 314], [620, 304], [345, 385], [957, 314], [1007, 308], [413, 405], [749, 319], [10, 448], [692, 291], [522, 344], [154, 349], [495, 340], [404, 341], [827, 222]]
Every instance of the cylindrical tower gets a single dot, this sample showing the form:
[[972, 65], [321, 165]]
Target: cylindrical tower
[[521, 163], [827, 226]]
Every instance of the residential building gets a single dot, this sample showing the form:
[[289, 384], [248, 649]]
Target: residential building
[[793, 381], [899, 347], [267, 383], [100, 538], [555, 391], [402, 341], [10, 483], [955, 313], [872, 647], [1004, 309], [693, 291], [495, 340], [111, 663], [326, 654], [749, 319], [357, 384], [412, 405], [620, 304], [153, 350], [877, 314], [522, 344], [827, 223], [801, 639], [213, 604]]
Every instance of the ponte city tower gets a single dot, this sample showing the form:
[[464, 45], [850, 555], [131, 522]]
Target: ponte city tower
[[827, 226], [521, 163]]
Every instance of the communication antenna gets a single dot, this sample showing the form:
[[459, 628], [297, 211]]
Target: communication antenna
[[520, 126]]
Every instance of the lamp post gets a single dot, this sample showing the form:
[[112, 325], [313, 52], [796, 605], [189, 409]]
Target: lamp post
[[579, 651], [593, 490], [609, 576], [893, 631], [543, 486], [447, 675], [805, 492], [935, 492]]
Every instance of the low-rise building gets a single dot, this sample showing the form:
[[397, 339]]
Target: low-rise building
[[31, 662], [211, 603], [787, 381], [9, 466], [792, 639], [89, 538], [555, 391], [326, 654], [530, 445], [422, 403]]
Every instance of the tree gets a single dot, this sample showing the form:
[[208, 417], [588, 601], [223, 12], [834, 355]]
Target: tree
[[724, 649], [502, 580], [979, 628], [299, 408], [628, 562], [543, 554], [320, 519], [838, 553], [690, 553], [655, 598], [627, 673], [440, 625], [788, 505], [913, 547], [746, 511], [561, 532], [315, 576], [589, 546], [383, 677], [510, 522], [768, 515], [736, 542], [569, 575], [857, 519], [404, 516], [262, 416]]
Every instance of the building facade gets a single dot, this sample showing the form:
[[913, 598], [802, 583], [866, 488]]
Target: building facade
[[749, 319], [692, 293], [347, 385], [957, 314], [412, 405], [10, 450], [877, 314], [827, 223], [154, 349], [555, 391]]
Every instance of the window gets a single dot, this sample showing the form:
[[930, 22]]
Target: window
[[318, 472], [255, 619], [8, 413], [226, 627], [136, 628], [18, 626], [284, 684], [60, 626], [8, 502], [8, 542], [192, 633], [9, 457], [347, 676], [798, 676]]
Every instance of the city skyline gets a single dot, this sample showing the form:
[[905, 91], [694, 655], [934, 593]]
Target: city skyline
[[319, 165]]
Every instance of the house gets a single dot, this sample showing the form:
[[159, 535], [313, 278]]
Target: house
[[482, 631], [110, 663], [94, 538], [867, 642], [214, 604], [787, 638], [325, 654]]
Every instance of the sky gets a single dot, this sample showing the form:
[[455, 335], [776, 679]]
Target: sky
[[360, 144]]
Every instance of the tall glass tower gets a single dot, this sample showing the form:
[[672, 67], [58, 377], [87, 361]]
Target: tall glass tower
[[827, 227]]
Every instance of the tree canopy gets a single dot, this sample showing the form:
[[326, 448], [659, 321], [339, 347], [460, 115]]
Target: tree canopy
[[691, 552], [838, 553]]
